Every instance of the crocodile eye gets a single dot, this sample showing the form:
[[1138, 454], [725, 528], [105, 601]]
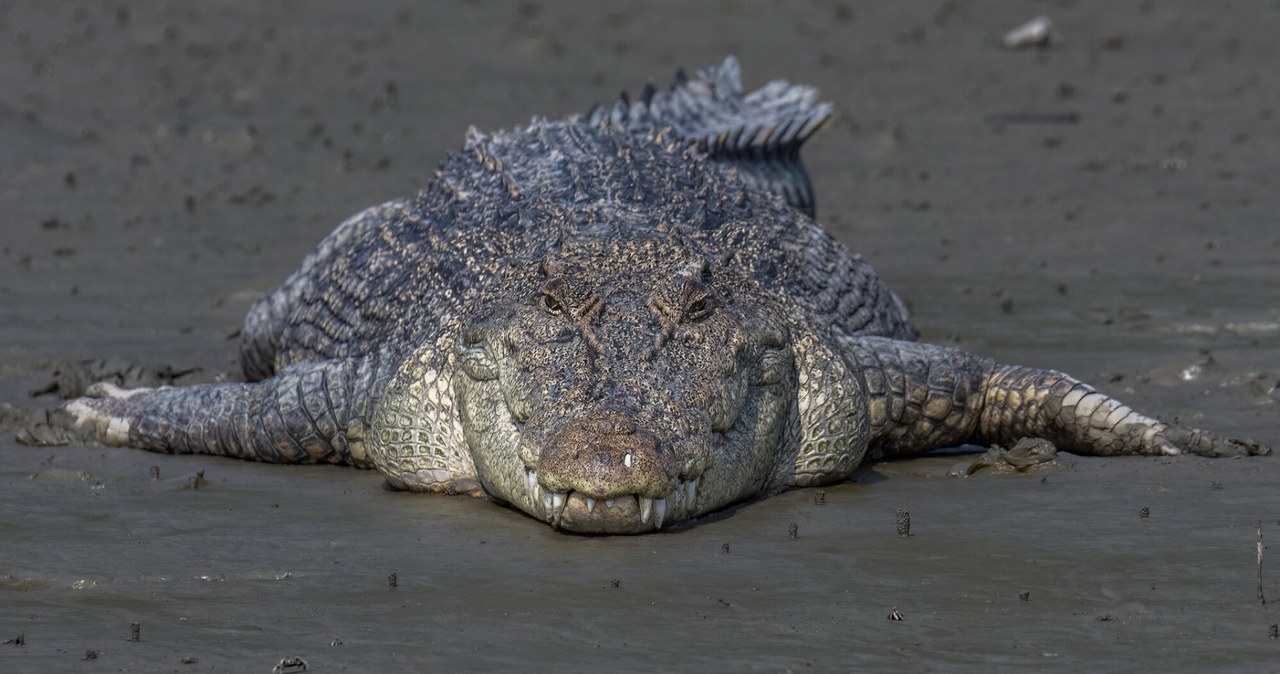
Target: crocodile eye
[[697, 309], [552, 305]]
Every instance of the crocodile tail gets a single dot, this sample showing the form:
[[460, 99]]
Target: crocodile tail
[[758, 133]]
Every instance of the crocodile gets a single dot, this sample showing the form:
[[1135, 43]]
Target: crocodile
[[613, 322]]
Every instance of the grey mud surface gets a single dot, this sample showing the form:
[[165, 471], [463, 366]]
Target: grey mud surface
[[1106, 206]]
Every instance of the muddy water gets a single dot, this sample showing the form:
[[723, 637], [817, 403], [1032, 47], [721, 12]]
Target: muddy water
[[167, 163]]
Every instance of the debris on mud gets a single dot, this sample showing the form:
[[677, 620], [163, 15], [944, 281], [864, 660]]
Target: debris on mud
[[1028, 455], [290, 665], [1262, 598], [1037, 32], [194, 481]]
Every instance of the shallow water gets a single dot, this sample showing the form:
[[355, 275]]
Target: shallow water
[[169, 163]]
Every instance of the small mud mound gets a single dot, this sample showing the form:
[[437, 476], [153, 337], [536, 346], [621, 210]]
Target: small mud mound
[[13, 417], [69, 378]]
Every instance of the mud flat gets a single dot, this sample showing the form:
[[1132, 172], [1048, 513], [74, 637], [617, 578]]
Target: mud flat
[[1103, 204]]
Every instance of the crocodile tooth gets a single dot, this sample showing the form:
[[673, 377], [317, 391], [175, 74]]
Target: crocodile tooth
[[546, 505], [646, 509], [532, 477], [557, 501], [690, 492], [591, 504], [659, 512], [608, 503]]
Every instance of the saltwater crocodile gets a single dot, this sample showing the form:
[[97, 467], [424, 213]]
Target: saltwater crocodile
[[611, 322]]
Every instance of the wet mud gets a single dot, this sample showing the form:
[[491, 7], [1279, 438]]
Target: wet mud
[[1103, 203]]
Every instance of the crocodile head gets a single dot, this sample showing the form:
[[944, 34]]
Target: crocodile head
[[625, 386]]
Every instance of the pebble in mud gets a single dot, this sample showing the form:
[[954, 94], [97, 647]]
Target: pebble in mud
[[1273, 631], [393, 581], [135, 631], [894, 615], [1024, 596], [819, 496], [724, 548], [20, 640], [904, 522], [793, 531], [1144, 513]]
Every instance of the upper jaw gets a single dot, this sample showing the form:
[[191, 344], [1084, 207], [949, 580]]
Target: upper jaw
[[623, 514]]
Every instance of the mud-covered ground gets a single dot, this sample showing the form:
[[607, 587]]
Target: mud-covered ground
[[1105, 205]]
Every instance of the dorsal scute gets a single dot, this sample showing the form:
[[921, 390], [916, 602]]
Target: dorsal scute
[[713, 110], [760, 132]]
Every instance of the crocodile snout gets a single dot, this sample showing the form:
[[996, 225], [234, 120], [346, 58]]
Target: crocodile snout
[[604, 456], [605, 473]]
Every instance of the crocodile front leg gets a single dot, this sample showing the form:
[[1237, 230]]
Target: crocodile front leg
[[307, 413], [922, 397]]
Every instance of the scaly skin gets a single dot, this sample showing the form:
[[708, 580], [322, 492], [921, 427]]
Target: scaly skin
[[611, 323]]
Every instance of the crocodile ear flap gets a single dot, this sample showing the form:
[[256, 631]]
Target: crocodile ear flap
[[477, 364]]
